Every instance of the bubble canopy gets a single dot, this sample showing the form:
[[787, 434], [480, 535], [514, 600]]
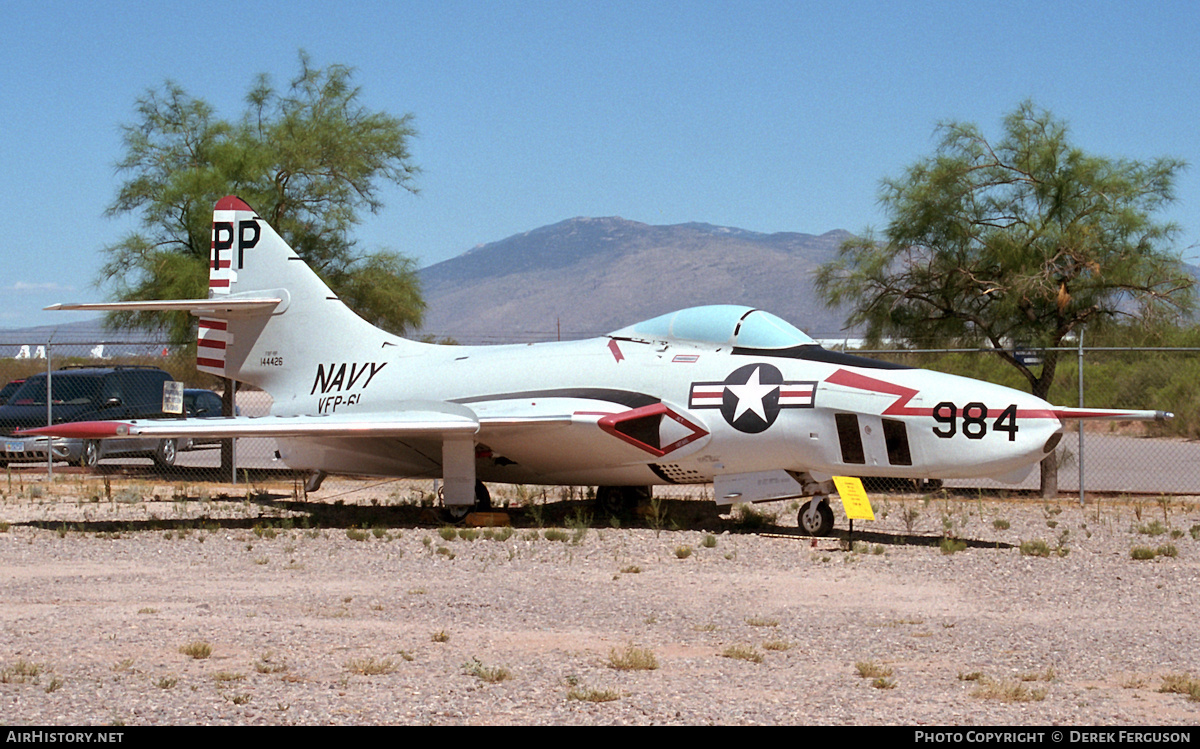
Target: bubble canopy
[[720, 325]]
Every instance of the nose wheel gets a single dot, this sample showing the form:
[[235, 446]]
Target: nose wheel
[[816, 517]]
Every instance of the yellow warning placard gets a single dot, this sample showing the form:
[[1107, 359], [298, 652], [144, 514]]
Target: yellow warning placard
[[855, 501]]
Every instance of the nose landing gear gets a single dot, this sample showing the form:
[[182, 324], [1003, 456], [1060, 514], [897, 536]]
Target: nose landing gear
[[816, 517]]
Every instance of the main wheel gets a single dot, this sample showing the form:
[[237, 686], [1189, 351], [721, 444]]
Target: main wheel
[[621, 500], [91, 454], [816, 518], [483, 503], [164, 456]]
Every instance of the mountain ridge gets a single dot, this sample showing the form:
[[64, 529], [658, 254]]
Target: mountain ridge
[[586, 276]]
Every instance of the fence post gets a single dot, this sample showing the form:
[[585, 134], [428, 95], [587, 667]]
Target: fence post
[[228, 408], [49, 413], [1080, 421]]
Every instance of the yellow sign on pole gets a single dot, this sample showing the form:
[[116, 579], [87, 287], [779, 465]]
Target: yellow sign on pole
[[855, 501]]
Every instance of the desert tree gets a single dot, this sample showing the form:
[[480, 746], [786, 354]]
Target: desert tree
[[1016, 242], [310, 159]]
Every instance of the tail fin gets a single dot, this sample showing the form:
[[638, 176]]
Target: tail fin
[[269, 319], [249, 260]]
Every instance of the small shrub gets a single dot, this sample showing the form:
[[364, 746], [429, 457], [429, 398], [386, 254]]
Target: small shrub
[[632, 659], [357, 534], [448, 532], [441, 636], [1001, 525], [709, 542], [1038, 548], [593, 695], [21, 672], [197, 649], [631, 569], [1181, 684], [883, 683], [742, 653], [1167, 550], [490, 674], [371, 666], [952, 545], [748, 518], [1142, 553], [1153, 528], [762, 621], [269, 664], [556, 534], [683, 552], [1007, 691], [872, 670]]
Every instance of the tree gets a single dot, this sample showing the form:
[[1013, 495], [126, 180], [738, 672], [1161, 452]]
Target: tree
[[309, 160], [1021, 242]]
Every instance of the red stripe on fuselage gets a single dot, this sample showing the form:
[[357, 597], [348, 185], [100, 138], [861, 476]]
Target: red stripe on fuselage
[[904, 395]]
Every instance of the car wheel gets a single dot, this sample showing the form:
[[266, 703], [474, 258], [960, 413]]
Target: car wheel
[[91, 454], [164, 456]]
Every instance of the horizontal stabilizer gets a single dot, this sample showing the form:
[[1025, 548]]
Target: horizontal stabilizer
[[208, 307]]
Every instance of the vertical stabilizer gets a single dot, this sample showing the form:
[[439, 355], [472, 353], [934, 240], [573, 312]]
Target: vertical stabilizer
[[310, 325]]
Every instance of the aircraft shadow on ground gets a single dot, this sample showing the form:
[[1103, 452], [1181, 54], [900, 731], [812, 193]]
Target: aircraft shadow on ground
[[284, 511]]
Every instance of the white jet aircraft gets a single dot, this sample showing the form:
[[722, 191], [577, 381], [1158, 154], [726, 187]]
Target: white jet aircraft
[[723, 394]]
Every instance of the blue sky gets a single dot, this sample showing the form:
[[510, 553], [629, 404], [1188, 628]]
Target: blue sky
[[760, 115]]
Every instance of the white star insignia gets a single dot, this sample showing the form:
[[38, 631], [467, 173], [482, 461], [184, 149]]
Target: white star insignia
[[750, 396]]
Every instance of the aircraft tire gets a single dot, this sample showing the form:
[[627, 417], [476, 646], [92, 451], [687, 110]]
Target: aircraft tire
[[483, 497], [824, 524], [621, 501], [483, 503]]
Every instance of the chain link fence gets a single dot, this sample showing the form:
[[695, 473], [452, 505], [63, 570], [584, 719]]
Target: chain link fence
[[1132, 457]]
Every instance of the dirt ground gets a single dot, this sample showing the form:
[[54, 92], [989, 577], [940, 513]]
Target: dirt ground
[[360, 605]]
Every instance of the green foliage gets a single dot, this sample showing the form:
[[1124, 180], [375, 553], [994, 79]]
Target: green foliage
[[1036, 548], [1026, 239], [950, 545], [309, 159]]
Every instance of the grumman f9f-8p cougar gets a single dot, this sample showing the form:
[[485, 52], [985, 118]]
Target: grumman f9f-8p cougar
[[724, 394]]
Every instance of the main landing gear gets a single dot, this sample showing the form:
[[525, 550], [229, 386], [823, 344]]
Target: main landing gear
[[483, 503], [621, 501]]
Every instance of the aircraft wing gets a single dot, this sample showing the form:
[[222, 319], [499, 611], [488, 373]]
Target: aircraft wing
[[430, 420]]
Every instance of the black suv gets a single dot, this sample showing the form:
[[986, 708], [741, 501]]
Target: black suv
[[86, 394]]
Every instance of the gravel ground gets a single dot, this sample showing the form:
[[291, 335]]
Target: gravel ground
[[314, 626]]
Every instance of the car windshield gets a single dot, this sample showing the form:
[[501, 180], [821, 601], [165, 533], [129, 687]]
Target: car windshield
[[66, 389]]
